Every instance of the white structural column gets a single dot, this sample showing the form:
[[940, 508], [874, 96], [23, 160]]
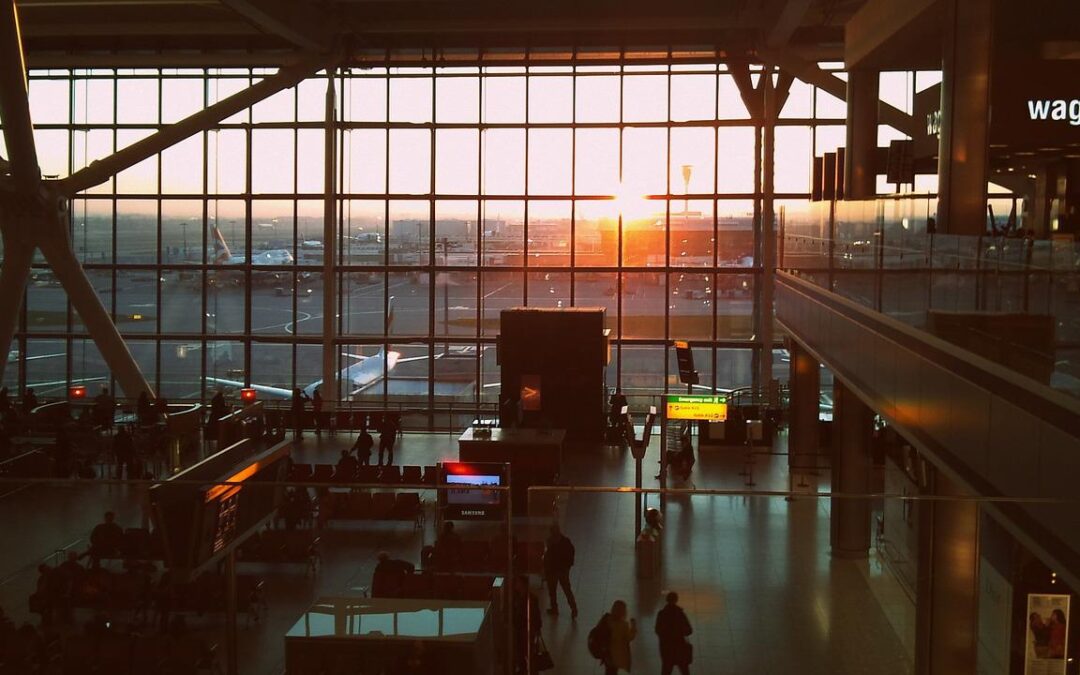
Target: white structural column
[[330, 301]]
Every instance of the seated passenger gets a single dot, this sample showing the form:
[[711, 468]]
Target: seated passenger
[[386, 580], [447, 548], [346, 466], [29, 402], [105, 539], [144, 410]]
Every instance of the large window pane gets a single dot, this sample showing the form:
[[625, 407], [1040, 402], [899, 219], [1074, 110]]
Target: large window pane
[[363, 241], [410, 161], [409, 310], [272, 161], [643, 304], [457, 161], [410, 233], [364, 155], [549, 159], [136, 231], [693, 97], [549, 234], [503, 161], [596, 162]]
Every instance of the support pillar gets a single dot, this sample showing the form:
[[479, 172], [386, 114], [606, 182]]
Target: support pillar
[[805, 401], [13, 277], [946, 613], [964, 140], [852, 434], [768, 232], [329, 305], [860, 174]]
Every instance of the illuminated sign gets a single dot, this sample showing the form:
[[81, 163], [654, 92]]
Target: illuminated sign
[[710, 408]]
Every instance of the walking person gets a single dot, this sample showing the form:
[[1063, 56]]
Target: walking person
[[387, 435], [672, 629], [124, 453], [558, 559], [316, 410], [623, 632], [298, 398], [363, 445]]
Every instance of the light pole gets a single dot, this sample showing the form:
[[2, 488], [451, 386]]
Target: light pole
[[687, 171]]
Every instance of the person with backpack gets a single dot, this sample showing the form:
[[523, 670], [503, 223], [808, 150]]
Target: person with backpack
[[610, 639], [672, 629], [558, 559]]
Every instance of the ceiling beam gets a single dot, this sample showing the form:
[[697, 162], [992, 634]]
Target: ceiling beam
[[791, 17], [101, 170], [883, 32], [811, 74], [297, 22]]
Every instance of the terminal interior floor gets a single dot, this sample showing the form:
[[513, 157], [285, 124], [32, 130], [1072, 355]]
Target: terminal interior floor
[[755, 574]]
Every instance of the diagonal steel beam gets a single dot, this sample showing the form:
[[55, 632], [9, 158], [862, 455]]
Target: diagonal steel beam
[[56, 247], [296, 22], [740, 72], [812, 74], [14, 105], [101, 170]]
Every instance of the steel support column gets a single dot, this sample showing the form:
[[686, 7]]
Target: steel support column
[[805, 400], [947, 593], [768, 232], [965, 117], [853, 428], [14, 274], [330, 325], [860, 178]]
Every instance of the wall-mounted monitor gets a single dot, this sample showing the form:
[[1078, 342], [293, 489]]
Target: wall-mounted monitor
[[465, 496]]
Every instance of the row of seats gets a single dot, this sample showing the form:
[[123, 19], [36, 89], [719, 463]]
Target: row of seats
[[387, 475], [138, 543], [363, 505], [478, 556], [281, 546], [433, 585], [119, 654]]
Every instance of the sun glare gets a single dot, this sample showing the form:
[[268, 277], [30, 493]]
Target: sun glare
[[631, 204]]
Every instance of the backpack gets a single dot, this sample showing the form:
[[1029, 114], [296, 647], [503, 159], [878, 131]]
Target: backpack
[[599, 640]]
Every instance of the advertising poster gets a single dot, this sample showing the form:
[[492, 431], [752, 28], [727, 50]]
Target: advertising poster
[[1047, 634]]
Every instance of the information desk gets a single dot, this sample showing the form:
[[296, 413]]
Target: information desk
[[340, 634], [534, 455]]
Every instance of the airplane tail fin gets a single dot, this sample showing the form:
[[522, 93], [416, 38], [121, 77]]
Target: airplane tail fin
[[221, 248], [390, 314]]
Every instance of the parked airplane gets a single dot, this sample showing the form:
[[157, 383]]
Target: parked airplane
[[223, 256], [360, 374]]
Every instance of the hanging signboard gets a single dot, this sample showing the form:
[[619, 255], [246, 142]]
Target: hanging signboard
[[1047, 634], [709, 408]]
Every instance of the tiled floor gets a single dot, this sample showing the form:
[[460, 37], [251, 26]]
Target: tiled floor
[[754, 572]]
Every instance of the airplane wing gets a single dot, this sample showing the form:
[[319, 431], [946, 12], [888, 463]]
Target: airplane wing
[[358, 357], [261, 388], [420, 358]]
